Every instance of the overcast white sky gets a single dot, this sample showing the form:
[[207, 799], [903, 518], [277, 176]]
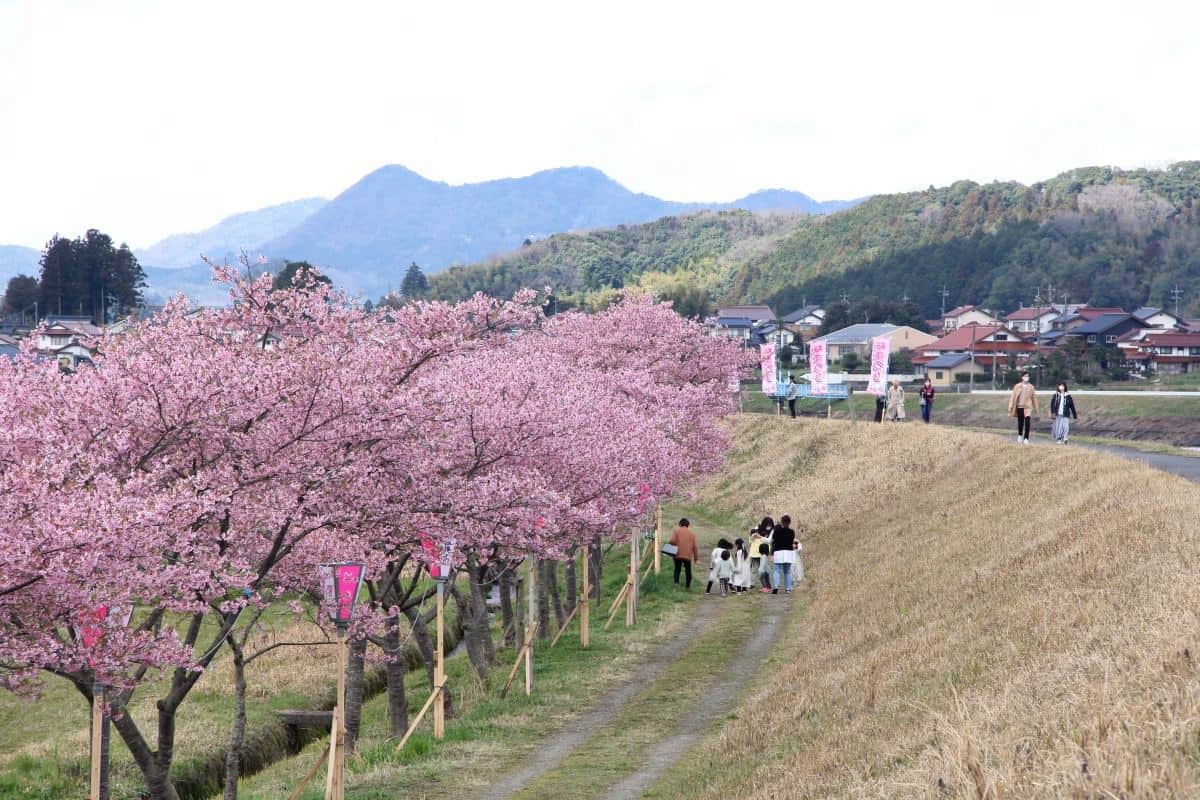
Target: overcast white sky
[[150, 118]]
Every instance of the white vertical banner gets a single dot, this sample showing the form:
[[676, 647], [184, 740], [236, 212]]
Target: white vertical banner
[[766, 355], [881, 350], [817, 369]]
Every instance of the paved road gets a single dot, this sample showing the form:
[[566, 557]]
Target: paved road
[[1185, 466]]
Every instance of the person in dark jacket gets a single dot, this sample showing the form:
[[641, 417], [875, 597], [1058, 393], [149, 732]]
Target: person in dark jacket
[[1062, 408], [783, 553], [926, 399]]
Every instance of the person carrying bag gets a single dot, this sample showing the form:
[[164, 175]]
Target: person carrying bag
[[683, 548]]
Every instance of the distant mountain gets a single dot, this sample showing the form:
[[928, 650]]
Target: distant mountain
[[393, 217], [225, 240], [1099, 235], [17, 260]]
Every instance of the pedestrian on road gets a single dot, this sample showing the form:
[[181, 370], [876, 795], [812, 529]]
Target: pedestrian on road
[[723, 546], [1023, 404], [1062, 408], [792, 391], [895, 401], [687, 552], [764, 567], [926, 399], [756, 538], [783, 553], [742, 576], [725, 572]]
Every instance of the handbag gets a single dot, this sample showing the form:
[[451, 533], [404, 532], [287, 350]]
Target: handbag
[[669, 549]]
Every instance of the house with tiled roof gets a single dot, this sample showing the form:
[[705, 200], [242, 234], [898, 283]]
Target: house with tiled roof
[[967, 315], [944, 370], [754, 313], [1159, 318], [1033, 319], [992, 345], [1170, 353], [857, 339], [805, 319], [1106, 329]]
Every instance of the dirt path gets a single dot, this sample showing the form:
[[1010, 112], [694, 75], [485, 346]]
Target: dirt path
[[721, 698], [558, 747]]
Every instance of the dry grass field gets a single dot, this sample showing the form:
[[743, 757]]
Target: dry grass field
[[983, 620]]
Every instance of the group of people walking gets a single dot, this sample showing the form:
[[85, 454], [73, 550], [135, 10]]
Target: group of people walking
[[891, 402], [1023, 406], [767, 557]]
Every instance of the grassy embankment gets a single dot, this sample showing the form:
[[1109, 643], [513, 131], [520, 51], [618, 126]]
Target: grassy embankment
[[983, 621]]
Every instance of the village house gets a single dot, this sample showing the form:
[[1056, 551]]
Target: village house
[[1106, 329], [1170, 353], [1034, 319], [990, 345], [943, 369], [967, 315], [805, 320], [1159, 318], [738, 322], [857, 339]]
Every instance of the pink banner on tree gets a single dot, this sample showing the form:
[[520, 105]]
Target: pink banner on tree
[[817, 371], [766, 355], [880, 351]]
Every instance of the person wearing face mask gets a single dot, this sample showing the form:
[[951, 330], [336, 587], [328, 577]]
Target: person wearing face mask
[[1023, 405], [1062, 408]]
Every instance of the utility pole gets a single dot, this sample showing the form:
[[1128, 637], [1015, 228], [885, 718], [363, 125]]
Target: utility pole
[[944, 293], [1177, 293]]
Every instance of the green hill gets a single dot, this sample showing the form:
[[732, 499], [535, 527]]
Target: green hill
[[1097, 234]]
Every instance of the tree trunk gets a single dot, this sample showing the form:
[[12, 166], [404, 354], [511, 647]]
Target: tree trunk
[[426, 648], [508, 617], [397, 700], [157, 783], [473, 613], [543, 600], [560, 615], [233, 756], [597, 563], [569, 576], [355, 691]]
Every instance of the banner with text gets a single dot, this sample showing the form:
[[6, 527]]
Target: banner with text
[[766, 355], [817, 371], [880, 350]]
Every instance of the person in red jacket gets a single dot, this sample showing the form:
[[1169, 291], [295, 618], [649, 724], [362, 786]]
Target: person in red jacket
[[687, 551], [926, 399]]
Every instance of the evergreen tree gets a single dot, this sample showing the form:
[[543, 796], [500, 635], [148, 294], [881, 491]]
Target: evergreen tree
[[308, 273], [21, 294], [90, 277], [415, 285]]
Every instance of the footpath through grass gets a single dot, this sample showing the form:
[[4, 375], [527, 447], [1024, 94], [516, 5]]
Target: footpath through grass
[[487, 735]]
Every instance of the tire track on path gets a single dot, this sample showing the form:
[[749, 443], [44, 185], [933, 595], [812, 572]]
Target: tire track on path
[[556, 748]]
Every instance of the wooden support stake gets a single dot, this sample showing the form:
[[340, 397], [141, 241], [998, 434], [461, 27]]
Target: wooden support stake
[[439, 672], [312, 773], [646, 574], [617, 605], [517, 663], [97, 739], [658, 540], [334, 779], [530, 623], [434, 695], [631, 595], [584, 616], [563, 629]]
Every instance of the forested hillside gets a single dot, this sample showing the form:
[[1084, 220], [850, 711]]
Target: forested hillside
[[1097, 234]]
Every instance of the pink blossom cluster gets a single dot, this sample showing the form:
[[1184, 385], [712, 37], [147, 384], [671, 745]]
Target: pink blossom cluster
[[212, 458]]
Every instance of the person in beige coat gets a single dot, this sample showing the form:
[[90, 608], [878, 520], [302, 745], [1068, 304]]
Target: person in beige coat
[[895, 401], [1023, 404]]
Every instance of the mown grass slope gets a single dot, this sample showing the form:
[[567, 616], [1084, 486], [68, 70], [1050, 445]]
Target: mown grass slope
[[984, 620]]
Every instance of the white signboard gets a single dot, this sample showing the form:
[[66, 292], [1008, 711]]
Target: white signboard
[[817, 369], [766, 354], [880, 351]]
